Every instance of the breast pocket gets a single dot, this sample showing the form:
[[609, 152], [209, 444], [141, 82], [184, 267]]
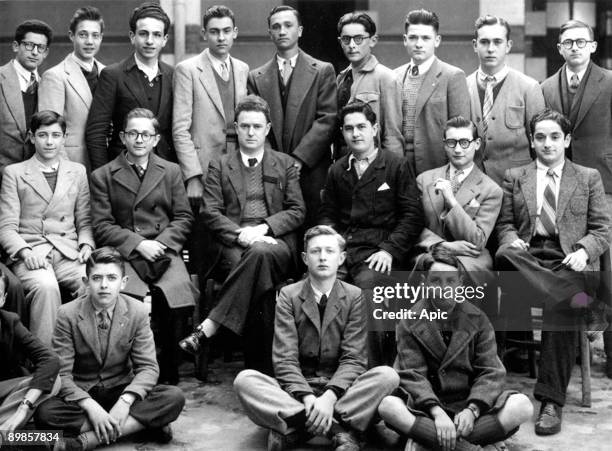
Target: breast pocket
[[579, 205], [371, 98], [383, 201], [515, 116]]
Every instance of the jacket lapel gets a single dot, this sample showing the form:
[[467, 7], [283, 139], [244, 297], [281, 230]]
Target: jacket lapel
[[124, 175], [9, 83], [165, 100], [469, 188], [132, 82], [310, 306], [64, 181], [269, 172], [427, 88], [76, 79], [301, 80], [153, 176], [436, 200], [236, 179], [88, 327], [566, 190], [373, 173], [429, 337], [33, 176], [207, 78], [240, 81], [463, 331], [555, 101], [528, 181], [267, 86], [591, 92], [336, 296], [117, 328]]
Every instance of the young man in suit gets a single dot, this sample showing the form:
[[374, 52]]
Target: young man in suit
[[139, 81], [461, 205], [450, 372], [68, 87], [370, 198], [45, 223], [301, 92], [108, 367], [252, 208], [139, 206], [19, 90], [583, 92], [321, 386], [367, 80], [19, 394], [502, 100], [553, 226], [432, 92]]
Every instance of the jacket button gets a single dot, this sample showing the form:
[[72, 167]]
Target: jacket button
[[492, 118], [138, 229], [44, 218], [63, 218]]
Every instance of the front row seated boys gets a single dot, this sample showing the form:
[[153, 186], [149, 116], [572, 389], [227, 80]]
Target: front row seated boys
[[450, 373], [107, 365], [321, 384]]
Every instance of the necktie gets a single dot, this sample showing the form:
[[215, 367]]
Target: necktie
[[103, 329], [33, 85], [549, 206], [360, 166], [574, 83], [344, 90], [487, 106], [140, 171], [224, 72], [322, 305], [414, 71], [252, 162], [287, 71], [455, 183]]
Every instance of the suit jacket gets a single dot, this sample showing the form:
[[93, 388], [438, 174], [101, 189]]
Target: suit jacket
[[306, 350], [198, 120], [468, 369], [591, 144], [63, 89], [16, 344], [378, 86], [507, 142], [473, 220], [130, 357], [582, 217], [32, 216], [381, 210], [119, 91], [13, 128], [443, 94]]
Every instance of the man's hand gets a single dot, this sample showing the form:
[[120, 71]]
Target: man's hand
[[265, 239], [248, 234], [464, 421], [444, 187], [16, 420], [518, 243], [319, 418], [104, 425], [121, 410], [195, 190], [577, 260], [84, 253], [31, 261], [297, 164], [150, 250], [461, 247], [380, 261], [445, 429]]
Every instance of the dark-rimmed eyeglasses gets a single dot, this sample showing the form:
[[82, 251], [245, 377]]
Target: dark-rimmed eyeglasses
[[358, 39], [464, 143], [133, 135], [29, 46], [580, 43]]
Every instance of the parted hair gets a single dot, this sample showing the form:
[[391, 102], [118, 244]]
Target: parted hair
[[46, 117], [33, 26], [105, 255], [217, 12], [149, 9], [422, 17], [491, 20], [86, 13], [359, 18]]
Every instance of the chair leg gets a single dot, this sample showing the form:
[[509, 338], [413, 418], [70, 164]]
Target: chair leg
[[585, 368]]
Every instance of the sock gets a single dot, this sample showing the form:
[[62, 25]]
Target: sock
[[296, 421], [424, 431], [487, 430]]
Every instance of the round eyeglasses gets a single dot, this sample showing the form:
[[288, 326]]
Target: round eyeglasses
[[358, 39], [580, 43], [464, 143]]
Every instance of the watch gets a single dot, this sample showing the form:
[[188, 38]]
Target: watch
[[28, 404], [475, 410], [126, 399]]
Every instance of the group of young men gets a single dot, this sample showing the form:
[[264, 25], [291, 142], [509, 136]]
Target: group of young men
[[377, 169]]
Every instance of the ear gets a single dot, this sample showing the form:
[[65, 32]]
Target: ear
[[300, 30], [85, 279], [15, 46], [477, 144], [156, 140], [124, 282], [375, 127], [475, 45], [341, 258], [268, 128], [71, 35], [31, 136], [509, 45], [123, 138], [203, 33], [531, 141], [437, 41], [165, 41], [373, 41], [567, 140], [304, 259], [593, 46], [235, 32], [132, 36]]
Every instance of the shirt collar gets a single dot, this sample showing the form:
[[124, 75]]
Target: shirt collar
[[245, 157], [424, 66], [569, 73], [466, 171], [24, 75], [557, 170], [292, 61], [143, 165], [217, 63], [499, 76], [110, 310], [82, 64], [150, 73], [318, 293], [369, 158], [45, 168]]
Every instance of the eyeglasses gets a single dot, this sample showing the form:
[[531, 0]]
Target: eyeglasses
[[464, 143], [580, 43], [358, 39], [42, 48], [133, 135]]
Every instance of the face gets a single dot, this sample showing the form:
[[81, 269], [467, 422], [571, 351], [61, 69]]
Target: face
[[105, 282], [252, 129], [31, 59], [149, 39], [284, 30], [86, 39], [549, 143], [48, 141], [421, 42], [139, 137], [359, 133], [492, 46], [2, 293], [576, 57], [461, 158], [323, 257], [443, 276], [356, 53], [220, 34]]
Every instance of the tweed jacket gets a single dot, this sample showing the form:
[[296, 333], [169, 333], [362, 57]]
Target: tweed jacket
[[307, 350], [582, 218], [377, 86], [443, 94], [64, 89], [130, 357], [506, 144], [591, 144], [468, 369], [119, 91], [32, 216], [198, 119]]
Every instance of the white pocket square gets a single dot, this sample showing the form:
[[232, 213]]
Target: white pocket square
[[383, 187], [474, 203]]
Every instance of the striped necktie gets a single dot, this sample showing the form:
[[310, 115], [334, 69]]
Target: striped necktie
[[487, 106], [455, 183], [287, 71], [548, 213]]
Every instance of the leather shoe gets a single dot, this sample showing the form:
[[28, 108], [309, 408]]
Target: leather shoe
[[193, 343], [280, 442], [549, 419], [345, 441], [162, 434], [69, 444]]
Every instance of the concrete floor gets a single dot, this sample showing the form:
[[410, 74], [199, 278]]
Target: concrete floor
[[213, 418]]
